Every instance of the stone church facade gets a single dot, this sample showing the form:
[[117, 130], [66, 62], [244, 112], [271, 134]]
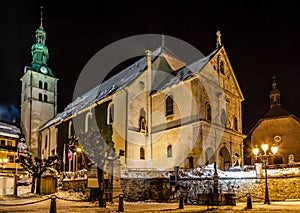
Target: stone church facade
[[161, 113]]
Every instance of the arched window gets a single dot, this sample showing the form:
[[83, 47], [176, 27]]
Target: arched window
[[110, 114], [223, 117], [45, 86], [208, 112], [40, 84], [45, 98], [40, 97], [142, 153], [235, 124], [169, 151], [169, 105], [222, 67]]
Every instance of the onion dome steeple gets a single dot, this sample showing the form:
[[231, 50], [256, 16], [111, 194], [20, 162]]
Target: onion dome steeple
[[39, 50], [274, 95]]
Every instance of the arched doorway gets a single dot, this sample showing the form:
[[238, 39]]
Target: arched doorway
[[209, 156], [224, 159]]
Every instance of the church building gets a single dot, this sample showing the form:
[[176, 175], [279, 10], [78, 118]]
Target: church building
[[277, 127], [159, 111]]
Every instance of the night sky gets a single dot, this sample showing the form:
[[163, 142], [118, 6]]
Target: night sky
[[261, 39]]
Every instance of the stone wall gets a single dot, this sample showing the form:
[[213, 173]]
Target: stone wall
[[79, 185], [280, 188]]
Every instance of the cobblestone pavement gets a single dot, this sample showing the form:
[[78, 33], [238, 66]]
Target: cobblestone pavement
[[139, 207]]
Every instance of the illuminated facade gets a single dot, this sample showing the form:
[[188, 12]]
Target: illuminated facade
[[191, 117], [277, 127], [9, 137]]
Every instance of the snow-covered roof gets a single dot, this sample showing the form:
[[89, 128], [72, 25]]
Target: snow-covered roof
[[9, 130], [125, 78]]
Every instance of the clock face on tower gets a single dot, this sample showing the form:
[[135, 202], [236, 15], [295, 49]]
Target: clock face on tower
[[44, 70]]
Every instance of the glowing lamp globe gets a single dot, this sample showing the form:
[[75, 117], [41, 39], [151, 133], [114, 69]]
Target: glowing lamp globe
[[265, 147], [255, 151], [274, 149]]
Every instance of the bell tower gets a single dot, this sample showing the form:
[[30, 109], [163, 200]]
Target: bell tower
[[274, 95], [39, 92]]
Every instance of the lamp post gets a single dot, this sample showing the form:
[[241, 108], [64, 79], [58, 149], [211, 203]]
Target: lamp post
[[264, 159]]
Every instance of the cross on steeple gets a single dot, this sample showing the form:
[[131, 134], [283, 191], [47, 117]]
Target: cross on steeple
[[41, 25], [219, 43], [274, 82]]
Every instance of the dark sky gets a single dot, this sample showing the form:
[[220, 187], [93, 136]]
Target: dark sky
[[260, 37]]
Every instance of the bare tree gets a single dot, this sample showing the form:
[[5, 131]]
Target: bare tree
[[37, 167]]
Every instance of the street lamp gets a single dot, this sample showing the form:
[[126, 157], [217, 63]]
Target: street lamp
[[264, 159]]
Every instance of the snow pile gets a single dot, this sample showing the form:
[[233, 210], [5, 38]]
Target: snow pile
[[71, 195], [283, 172], [208, 172]]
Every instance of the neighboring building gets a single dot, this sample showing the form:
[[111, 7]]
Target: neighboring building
[[160, 112], [9, 138], [39, 93], [277, 127]]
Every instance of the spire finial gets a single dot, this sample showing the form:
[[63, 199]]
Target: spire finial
[[162, 40], [219, 43], [274, 82], [41, 26]]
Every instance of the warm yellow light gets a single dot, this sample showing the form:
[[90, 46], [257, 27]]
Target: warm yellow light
[[0, 160], [5, 160], [265, 147], [274, 149], [78, 149], [255, 151]]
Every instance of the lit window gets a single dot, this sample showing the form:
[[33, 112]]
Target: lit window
[[10, 158], [169, 106]]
